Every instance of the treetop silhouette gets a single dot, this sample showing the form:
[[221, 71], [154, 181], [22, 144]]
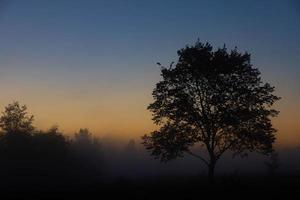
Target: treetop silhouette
[[214, 98], [15, 119]]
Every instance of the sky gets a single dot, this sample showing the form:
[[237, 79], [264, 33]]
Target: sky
[[92, 64]]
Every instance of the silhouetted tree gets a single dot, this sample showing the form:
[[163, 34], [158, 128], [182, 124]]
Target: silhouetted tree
[[131, 146], [16, 138], [50, 145], [15, 119], [46, 155], [273, 163], [87, 153], [83, 137], [213, 98]]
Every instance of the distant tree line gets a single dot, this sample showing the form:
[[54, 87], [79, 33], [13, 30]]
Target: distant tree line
[[27, 151]]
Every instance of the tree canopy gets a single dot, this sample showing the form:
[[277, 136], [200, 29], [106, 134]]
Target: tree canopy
[[15, 119], [214, 98]]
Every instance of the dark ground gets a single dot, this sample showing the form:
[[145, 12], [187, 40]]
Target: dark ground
[[246, 187]]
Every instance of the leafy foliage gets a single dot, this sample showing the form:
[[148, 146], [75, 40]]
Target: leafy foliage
[[15, 119], [213, 98], [25, 150]]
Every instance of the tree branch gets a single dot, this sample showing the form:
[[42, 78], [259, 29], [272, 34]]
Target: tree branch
[[197, 156], [225, 148]]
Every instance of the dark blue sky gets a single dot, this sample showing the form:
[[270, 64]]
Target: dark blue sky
[[90, 49], [78, 33]]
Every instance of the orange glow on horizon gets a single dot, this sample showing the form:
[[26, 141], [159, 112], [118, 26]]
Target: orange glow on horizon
[[117, 109]]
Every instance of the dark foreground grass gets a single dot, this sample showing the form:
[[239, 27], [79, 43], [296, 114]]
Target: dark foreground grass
[[245, 187]]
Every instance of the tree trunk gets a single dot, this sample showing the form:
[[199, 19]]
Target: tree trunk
[[211, 171]]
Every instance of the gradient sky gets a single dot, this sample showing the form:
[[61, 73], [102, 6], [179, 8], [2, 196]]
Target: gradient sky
[[92, 63]]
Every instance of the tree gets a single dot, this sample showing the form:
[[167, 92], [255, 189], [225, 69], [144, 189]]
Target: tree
[[273, 163], [83, 136], [87, 153], [50, 145], [212, 98], [16, 138], [131, 146], [15, 119]]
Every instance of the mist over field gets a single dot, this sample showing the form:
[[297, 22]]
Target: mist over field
[[124, 161]]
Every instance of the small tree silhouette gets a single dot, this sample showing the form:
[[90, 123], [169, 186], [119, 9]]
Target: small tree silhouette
[[213, 98], [131, 146], [50, 145], [88, 153], [15, 119], [16, 138], [83, 137], [273, 163]]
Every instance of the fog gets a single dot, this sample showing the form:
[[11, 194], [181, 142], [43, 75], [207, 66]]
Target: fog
[[127, 159]]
